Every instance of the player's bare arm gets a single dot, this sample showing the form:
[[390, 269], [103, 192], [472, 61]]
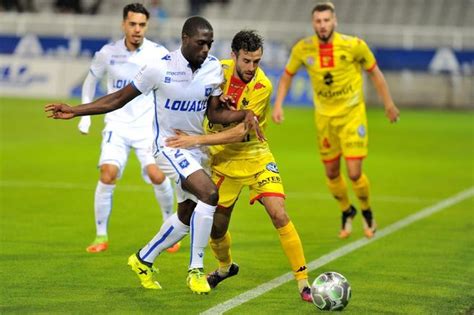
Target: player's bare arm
[[102, 105], [183, 140], [391, 111], [218, 113], [283, 87]]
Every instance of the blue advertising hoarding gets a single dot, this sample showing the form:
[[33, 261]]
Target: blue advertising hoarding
[[436, 60]]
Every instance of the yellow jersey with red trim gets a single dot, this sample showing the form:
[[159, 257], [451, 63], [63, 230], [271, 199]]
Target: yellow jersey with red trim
[[334, 69], [255, 96]]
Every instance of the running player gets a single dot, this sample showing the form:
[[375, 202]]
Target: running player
[[185, 86], [334, 62], [248, 163], [129, 127]]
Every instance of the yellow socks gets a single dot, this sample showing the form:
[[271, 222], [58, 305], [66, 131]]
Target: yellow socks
[[338, 189], [362, 190], [291, 243], [221, 249]]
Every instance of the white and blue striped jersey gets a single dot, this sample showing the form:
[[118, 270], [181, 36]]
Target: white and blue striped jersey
[[121, 66], [180, 95]]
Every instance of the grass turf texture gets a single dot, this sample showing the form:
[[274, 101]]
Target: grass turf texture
[[48, 177]]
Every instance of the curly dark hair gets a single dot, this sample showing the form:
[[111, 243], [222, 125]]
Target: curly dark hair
[[248, 40], [136, 8]]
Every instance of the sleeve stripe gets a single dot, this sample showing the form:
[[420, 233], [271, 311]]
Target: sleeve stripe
[[289, 73], [92, 72], [372, 67]]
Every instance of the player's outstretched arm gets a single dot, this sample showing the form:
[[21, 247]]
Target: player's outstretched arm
[[183, 140], [102, 105], [218, 113], [378, 79], [283, 87]]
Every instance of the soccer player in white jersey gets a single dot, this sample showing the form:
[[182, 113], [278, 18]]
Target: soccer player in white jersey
[[185, 85], [129, 127]]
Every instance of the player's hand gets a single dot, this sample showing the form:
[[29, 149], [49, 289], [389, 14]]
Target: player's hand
[[228, 101], [182, 140], [84, 124], [251, 122], [278, 115], [392, 113], [59, 111]]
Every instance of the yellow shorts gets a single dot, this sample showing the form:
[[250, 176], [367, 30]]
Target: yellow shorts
[[260, 175], [343, 135]]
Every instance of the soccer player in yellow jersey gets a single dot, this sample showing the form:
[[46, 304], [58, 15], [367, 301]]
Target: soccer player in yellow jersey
[[334, 62], [248, 163]]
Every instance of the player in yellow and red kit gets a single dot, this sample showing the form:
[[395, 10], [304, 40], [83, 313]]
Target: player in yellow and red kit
[[334, 62], [248, 163]]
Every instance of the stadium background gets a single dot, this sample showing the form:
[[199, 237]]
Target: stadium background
[[426, 50]]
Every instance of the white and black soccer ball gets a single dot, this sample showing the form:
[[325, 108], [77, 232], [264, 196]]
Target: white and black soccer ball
[[331, 291]]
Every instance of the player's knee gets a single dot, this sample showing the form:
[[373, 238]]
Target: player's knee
[[332, 173], [280, 219], [108, 178], [354, 175], [213, 197], [109, 174], [209, 195], [218, 231], [157, 177]]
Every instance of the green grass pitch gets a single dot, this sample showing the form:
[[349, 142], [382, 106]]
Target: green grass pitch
[[47, 181]]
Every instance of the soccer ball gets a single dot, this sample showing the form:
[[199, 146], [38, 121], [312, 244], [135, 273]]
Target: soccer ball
[[331, 291]]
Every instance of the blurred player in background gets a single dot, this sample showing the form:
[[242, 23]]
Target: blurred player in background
[[334, 62], [130, 127], [186, 86], [248, 163]]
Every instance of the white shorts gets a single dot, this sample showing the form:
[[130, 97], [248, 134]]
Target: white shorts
[[116, 145], [178, 164]]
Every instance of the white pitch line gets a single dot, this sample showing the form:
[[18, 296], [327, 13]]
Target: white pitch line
[[145, 187], [272, 284]]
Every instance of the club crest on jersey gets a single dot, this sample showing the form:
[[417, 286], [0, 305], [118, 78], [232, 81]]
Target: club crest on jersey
[[310, 60], [167, 79], [184, 163], [259, 86], [207, 91], [272, 167], [361, 131]]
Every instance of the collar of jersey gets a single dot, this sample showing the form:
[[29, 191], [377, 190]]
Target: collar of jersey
[[185, 61], [122, 43]]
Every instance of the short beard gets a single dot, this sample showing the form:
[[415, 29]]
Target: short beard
[[326, 39], [242, 78]]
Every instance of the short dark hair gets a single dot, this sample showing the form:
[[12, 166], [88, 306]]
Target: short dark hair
[[194, 23], [136, 8], [248, 40], [324, 6]]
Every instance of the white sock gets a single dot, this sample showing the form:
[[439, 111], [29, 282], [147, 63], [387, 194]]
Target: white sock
[[201, 225], [103, 206], [171, 232], [165, 197]]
